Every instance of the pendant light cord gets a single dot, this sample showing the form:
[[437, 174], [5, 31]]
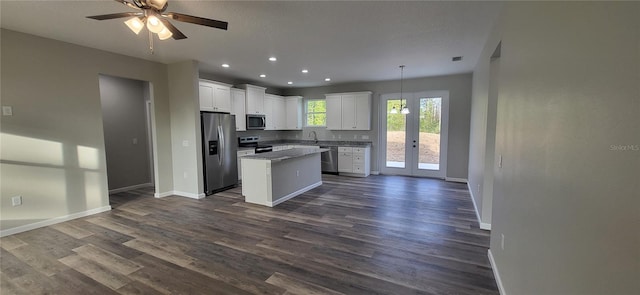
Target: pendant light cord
[[401, 78]]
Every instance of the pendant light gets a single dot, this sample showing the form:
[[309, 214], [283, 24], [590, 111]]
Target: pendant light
[[404, 110]]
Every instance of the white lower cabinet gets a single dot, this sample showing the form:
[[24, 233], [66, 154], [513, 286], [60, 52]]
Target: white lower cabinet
[[354, 161], [240, 155]]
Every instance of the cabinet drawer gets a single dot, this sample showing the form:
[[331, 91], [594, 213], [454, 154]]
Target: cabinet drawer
[[357, 168], [359, 150], [345, 149], [358, 159]]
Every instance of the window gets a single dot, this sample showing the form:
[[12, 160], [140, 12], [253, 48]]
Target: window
[[316, 112]]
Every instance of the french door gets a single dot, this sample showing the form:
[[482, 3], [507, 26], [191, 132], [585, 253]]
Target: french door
[[414, 144]]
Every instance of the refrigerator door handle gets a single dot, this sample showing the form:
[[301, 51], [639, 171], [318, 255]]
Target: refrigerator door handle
[[222, 151]]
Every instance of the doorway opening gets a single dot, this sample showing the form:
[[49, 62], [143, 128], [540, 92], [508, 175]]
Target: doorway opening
[[415, 144], [127, 124]]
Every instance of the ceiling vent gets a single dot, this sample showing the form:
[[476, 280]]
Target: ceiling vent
[[456, 58]]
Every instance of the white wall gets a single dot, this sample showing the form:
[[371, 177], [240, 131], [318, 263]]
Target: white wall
[[185, 129], [52, 148], [125, 131], [567, 197]]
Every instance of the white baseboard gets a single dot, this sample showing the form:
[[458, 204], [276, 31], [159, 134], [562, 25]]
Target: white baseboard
[[52, 221], [455, 179], [129, 188], [375, 172], [162, 195], [483, 225], [189, 195], [180, 194], [496, 273], [293, 194]]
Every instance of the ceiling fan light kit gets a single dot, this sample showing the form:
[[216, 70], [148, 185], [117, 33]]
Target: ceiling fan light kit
[[157, 20]]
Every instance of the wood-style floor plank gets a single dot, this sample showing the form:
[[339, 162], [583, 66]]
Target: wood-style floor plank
[[374, 235]]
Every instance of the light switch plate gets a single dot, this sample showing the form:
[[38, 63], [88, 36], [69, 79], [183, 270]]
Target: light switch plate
[[7, 111], [185, 143]]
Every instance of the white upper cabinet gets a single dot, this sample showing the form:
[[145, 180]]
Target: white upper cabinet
[[238, 97], [214, 96], [349, 111], [293, 112], [274, 111], [255, 99], [334, 111], [268, 112]]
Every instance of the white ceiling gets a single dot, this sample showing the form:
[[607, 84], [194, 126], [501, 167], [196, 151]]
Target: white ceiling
[[346, 41]]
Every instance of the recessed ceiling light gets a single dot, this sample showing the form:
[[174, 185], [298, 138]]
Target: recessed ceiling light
[[327, 79], [273, 58], [225, 65], [305, 71], [262, 75], [456, 58], [289, 82]]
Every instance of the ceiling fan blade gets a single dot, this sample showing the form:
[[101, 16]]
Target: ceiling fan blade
[[128, 4], [177, 35], [197, 20], [114, 15]]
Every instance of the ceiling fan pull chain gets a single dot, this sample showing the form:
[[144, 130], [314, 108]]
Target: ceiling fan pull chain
[[151, 42]]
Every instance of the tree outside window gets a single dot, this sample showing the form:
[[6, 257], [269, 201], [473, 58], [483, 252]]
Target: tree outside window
[[316, 113]]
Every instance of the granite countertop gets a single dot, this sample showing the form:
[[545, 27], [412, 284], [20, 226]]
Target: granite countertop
[[320, 143], [285, 154]]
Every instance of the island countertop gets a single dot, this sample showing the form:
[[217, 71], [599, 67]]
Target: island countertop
[[285, 154]]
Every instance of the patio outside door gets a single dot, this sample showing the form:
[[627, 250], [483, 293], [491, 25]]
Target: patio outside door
[[415, 144]]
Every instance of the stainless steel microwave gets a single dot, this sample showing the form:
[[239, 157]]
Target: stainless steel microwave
[[256, 122]]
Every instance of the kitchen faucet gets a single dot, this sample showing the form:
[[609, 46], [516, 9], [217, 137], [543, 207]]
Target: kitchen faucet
[[315, 136]]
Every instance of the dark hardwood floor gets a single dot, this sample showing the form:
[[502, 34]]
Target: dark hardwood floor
[[375, 235]]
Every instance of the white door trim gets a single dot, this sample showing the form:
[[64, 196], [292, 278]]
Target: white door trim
[[411, 165]]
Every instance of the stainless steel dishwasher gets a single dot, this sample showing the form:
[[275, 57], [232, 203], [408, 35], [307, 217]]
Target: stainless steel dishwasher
[[329, 159]]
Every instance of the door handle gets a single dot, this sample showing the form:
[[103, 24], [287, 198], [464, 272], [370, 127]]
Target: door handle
[[221, 145]]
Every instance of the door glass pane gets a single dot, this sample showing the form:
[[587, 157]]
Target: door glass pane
[[429, 148], [396, 135]]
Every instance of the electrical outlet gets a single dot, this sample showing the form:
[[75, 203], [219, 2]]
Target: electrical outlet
[[502, 242], [297, 172], [339, 136], [365, 137], [184, 175], [16, 201], [185, 143], [500, 161], [7, 111], [478, 188], [333, 136], [134, 141]]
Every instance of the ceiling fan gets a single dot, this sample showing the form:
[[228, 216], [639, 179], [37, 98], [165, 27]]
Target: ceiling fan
[[152, 13]]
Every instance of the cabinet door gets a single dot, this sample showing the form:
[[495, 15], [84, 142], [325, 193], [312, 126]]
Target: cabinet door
[[362, 111], [238, 97], [345, 162], [334, 112], [349, 112], [255, 101], [206, 97], [222, 99], [294, 113], [268, 112], [279, 113]]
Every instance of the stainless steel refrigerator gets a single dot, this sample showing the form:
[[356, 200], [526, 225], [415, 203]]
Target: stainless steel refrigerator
[[219, 150]]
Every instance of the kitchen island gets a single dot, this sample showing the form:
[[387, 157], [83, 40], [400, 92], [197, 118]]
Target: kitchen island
[[271, 178]]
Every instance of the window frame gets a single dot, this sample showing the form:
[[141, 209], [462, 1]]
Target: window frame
[[307, 113]]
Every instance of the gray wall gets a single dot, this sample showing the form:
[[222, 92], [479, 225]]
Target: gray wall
[[567, 197], [483, 128], [185, 129], [52, 148], [124, 119], [459, 87]]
